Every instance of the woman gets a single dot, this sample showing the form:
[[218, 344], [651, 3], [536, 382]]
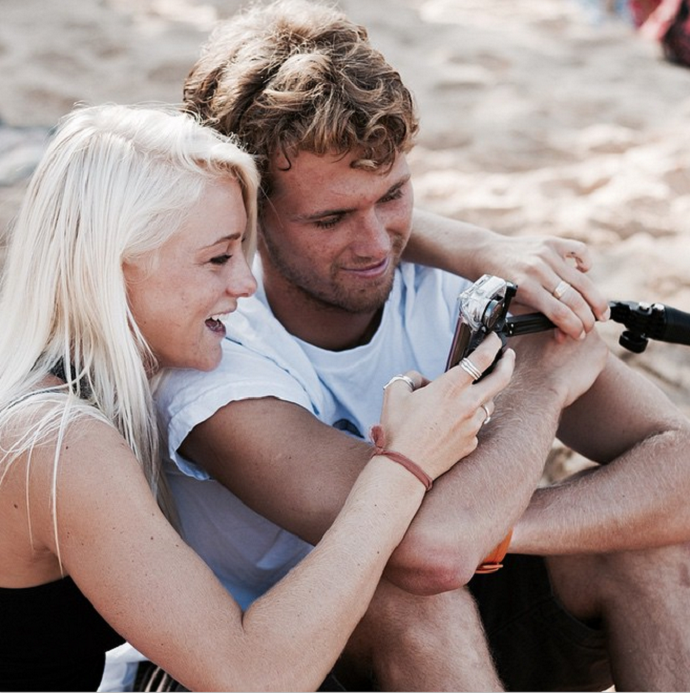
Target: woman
[[130, 248]]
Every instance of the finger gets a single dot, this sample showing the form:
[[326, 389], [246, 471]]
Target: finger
[[423, 381], [412, 380], [574, 301], [581, 297], [570, 309], [575, 251], [560, 336], [499, 378], [569, 261], [485, 354], [485, 412], [576, 305], [587, 293], [481, 358], [479, 418], [417, 378]]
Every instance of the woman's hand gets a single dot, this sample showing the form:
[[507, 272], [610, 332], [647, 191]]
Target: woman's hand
[[437, 424]]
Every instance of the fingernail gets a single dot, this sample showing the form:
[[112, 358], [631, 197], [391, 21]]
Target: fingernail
[[582, 336], [605, 315]]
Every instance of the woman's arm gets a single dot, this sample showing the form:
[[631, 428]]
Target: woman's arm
[[536, 264], [162, 598]]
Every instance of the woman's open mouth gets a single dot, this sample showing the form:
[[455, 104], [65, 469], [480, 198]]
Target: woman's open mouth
[[215, 323]]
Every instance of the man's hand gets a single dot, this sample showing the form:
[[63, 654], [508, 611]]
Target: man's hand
[[550, 274], [538, 265], [566, 366]]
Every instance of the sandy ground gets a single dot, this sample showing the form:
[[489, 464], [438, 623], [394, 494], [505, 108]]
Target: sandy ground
[[538, 117]]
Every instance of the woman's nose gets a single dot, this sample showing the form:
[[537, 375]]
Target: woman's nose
[[242, 282]]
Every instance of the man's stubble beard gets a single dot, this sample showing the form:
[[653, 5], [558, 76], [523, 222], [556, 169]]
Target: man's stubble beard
[[332, 296]]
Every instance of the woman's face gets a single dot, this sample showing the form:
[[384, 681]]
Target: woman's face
[[197, 276]]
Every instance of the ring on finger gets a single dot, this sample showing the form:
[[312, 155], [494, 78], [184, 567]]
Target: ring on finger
[[407, 380], [562, 287], [470, 369], [488, 414]]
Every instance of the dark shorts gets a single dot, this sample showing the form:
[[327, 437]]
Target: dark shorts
[[536, 644]]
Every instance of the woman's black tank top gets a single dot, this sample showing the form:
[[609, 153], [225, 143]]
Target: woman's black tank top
[[52, 639]]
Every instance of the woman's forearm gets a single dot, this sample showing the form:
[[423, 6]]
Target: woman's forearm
[[304, 622]]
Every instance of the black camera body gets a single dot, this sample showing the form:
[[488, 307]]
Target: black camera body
[[482, 308]]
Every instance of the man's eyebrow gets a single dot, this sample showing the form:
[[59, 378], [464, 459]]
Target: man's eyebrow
[[314, 216]]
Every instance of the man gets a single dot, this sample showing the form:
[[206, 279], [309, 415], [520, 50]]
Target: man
[[264, 449]]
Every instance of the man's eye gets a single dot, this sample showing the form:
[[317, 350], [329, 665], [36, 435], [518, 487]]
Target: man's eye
[[327, 223], [395, 195], [220, 260]]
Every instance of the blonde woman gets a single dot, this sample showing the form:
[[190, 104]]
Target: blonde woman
[[129, 251]]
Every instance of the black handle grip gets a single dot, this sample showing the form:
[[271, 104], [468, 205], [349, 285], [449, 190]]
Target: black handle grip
[[644, 321], [526, 324], [677, 328], [651, 321]]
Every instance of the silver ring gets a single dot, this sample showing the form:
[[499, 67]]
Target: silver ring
[[404, 378], [562, 287], [471, 369], [488, 416]]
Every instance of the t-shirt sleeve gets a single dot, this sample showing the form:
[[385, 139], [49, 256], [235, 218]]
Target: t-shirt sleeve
[[186, 398]]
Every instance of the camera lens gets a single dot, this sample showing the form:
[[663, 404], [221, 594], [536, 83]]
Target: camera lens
[[492, 313]]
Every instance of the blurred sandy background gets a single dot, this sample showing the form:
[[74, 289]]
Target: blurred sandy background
[[538, 116]]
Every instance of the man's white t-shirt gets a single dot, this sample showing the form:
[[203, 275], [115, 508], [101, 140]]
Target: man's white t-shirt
[[343, 389]]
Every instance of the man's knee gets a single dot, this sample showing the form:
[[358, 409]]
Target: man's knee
[[587, 584], [402, 630]]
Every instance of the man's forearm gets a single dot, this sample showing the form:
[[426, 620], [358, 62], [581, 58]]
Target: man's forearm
[[638, 497], [637, 501], [475, 504], [449, 244]]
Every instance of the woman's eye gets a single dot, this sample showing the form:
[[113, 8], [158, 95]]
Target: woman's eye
[[220, 259]]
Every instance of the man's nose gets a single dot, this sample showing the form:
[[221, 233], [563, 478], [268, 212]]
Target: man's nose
[[373, 239]]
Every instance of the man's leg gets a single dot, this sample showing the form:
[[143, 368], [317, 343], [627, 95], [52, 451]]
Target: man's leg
[[643, 601], [411, 643]]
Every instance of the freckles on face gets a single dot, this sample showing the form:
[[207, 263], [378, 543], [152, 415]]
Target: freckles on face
[[178, 293], [335, 233]]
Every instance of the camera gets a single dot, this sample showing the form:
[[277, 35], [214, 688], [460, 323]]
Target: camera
[[482, 308]]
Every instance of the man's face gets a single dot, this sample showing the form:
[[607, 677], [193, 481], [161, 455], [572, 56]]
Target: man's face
[[334, 233]]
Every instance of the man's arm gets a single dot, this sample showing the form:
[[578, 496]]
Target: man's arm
[[638, 497], [297, 471], [474, 505], [281, 461], [536, 264]]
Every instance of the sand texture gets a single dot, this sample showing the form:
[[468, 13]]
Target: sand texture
[[538, 117]]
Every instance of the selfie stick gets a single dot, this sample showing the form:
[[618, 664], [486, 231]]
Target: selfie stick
[[643, 321]]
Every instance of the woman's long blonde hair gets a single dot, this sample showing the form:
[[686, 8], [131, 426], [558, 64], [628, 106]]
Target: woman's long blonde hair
[[115, 182]]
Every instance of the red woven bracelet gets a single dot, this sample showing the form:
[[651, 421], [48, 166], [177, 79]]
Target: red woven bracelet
[[379, 439], [493, 561]]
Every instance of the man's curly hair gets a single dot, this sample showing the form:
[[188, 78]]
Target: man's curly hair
[[299, 76]]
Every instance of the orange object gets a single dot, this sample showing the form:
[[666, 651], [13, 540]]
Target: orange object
[[493, 561]]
